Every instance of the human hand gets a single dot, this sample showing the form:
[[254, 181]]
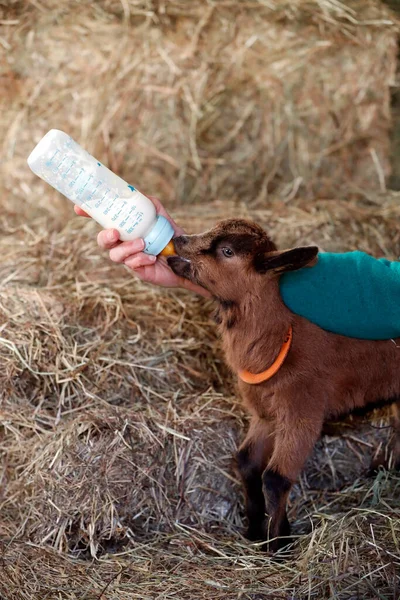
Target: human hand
[[148, 268]]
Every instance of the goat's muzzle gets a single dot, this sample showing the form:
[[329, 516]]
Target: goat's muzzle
[[180, 266], [181, 240]]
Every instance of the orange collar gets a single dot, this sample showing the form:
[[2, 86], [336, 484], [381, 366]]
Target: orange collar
[[253, 379]]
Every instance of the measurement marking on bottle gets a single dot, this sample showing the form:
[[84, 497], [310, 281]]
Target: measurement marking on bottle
[[110, 205], [99, 184], [73, 182], [116, 216], [139, 219], [82, 189], [48, 163], [101, 199], [64, 175], [57, 168], [131, 212]]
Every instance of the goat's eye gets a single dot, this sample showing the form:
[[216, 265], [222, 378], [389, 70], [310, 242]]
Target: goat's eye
[[227, 252]]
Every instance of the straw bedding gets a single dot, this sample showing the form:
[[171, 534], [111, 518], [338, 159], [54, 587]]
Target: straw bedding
[[119, 419], [208, 100]]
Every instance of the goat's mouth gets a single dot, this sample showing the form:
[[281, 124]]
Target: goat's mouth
[[181, 267]]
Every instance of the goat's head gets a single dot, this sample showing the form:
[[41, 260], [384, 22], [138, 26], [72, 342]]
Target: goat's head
[[235, 255]]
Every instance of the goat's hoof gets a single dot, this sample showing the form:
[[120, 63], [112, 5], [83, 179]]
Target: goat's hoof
[[255, 534], [377, 464], [374, 470], [383, 461], [375, 467], [279, 549], [281, 546]]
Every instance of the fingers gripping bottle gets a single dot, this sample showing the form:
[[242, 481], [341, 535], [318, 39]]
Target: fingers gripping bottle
[[107, 198]]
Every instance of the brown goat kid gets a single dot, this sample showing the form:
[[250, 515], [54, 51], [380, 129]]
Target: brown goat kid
[[322, 377]]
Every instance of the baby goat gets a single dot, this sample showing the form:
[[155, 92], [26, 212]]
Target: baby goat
[[320, 376]]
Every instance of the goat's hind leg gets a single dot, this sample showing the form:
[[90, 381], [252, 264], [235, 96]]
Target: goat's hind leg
[[396, 433], [389, 458], [252, 458]]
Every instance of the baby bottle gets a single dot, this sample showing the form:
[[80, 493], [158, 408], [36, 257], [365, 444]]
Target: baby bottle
[[108, 199]]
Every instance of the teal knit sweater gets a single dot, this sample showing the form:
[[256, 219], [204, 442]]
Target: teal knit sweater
[[352, 294]]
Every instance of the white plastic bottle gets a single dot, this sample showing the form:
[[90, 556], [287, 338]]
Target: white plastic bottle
[[108, 199]]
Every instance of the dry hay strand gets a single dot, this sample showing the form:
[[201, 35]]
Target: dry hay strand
[[120, 421], [220, 100]]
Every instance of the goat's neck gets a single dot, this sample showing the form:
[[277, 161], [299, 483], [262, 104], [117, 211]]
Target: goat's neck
[[254, 329]]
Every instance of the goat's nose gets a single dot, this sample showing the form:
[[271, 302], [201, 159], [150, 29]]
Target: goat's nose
[[182, 240]]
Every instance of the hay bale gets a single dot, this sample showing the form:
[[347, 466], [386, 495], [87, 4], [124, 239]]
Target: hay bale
[[202, 100]]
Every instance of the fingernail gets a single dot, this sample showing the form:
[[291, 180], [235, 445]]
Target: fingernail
[[111, 235], [152, 258]]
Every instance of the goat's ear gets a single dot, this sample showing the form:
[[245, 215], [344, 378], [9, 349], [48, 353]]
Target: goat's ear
[[289, 260]]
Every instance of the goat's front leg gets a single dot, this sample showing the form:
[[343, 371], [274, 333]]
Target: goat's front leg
[[252, 458], [294, 442]]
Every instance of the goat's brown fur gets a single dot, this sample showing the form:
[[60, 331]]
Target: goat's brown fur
[[324, 376]]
